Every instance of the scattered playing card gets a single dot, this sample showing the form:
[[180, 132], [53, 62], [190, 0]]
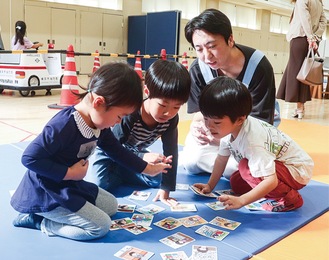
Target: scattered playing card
[[142, 219], [211, 232], [179, 255], [126, 208], [224, 192], [140, 195], [136, 229], [198, 192], [168, 223], [217, 205], [225, 223], [118, 223], [183, 207], [192, 221], [204, 253], [150, 209], [257, 205], [181, 186], [177, 240], [130, 252]]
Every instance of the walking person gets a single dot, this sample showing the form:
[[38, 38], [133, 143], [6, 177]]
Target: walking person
[[307, 24]]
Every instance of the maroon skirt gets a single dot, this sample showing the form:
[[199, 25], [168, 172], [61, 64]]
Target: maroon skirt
[[290, 89]]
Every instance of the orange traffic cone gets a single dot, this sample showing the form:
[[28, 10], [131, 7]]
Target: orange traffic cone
[[163, 54], [138, 66], [184, 61], [69, 82], [97, 64]]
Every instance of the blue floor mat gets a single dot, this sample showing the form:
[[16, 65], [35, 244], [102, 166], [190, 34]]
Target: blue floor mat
[[258, 229]]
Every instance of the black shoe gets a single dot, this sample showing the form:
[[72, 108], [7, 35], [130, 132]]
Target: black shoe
[[32, 221]]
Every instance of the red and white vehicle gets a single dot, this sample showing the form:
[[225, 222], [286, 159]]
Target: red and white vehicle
[[28, 72]]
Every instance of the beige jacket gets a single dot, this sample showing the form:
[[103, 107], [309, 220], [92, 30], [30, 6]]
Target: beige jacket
[[308, 20]]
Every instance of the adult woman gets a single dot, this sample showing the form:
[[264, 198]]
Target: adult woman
[[20, 41], [307, 25]]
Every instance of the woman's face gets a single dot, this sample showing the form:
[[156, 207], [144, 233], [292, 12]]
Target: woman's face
[[212, 49]]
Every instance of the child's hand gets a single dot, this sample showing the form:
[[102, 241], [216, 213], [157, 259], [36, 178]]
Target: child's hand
[[230, 201], [155, 169], [77, 171], [156, 158], [203, 188], [163, 196]]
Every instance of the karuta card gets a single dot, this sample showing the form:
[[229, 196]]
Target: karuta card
[[224, 192], [198, 192], [139, 195], [181, 186], [211, 232], [168, 223], [118, 223], [177, 240], [192, 221], [204, 252], [225, 223], [142, 219], [150, 209], [179, 255], [183, 207], [136, 229], [126, 208], [133, 253], [217, 205], [256, 205]]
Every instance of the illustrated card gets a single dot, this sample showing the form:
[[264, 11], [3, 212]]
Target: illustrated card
[[225, 223], [133, 253], [204, 252], [139, 195], [179, 255], [168, 223], [184, 207], [257, 205], [150, 209], [136, 229], [211, 232], [177, 240], [198, 192], [126, 208], [224, 192], [217, 205], [192, 221], [118, 223], [142, 219], [181, 186]]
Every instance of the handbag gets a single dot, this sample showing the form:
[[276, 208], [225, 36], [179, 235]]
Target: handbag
[[311, 72]]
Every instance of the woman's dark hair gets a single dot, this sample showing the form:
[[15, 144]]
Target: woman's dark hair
[[118, 83], [224, 96], [20, 29], [168, 79], [212, 21]]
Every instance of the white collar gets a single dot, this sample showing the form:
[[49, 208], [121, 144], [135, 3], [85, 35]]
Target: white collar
[[84, 129]]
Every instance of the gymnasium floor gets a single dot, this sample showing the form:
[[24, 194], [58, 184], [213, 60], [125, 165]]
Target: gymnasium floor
[[21, 119]]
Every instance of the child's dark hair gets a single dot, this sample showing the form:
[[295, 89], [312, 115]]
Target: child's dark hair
[[118, 83], [20, 29], [224, 96], [212, 21], [168, 79]]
